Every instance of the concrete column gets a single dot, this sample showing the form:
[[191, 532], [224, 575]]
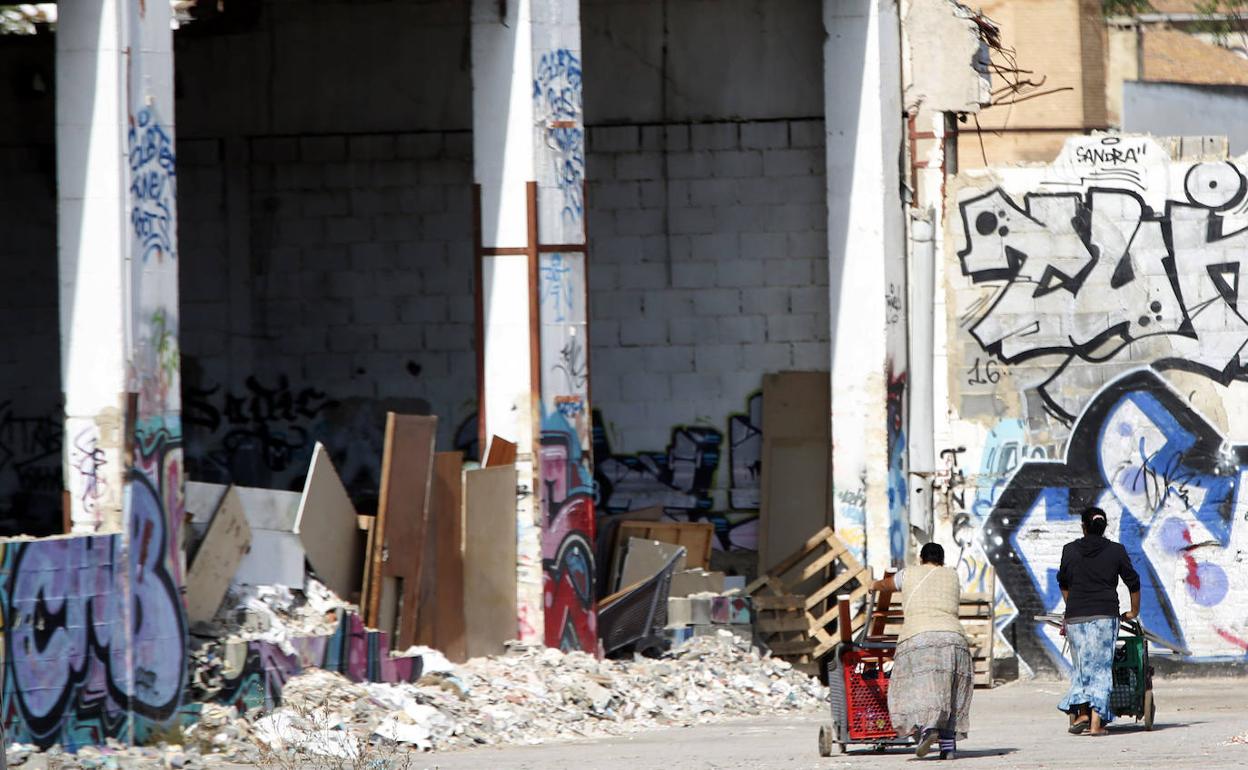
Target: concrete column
[[117, 246], [866, 258], [118, 264], [529, 157]]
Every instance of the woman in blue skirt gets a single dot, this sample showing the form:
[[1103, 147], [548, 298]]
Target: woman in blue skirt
[[1089, 574]]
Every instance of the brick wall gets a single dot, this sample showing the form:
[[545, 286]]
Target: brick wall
[[30, 402], [357, 280], [708, 263]]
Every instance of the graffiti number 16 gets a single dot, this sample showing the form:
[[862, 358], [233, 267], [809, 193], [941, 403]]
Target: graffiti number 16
[[983, 374]]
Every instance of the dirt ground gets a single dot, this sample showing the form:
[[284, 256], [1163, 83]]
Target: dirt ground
[[1016, 725]]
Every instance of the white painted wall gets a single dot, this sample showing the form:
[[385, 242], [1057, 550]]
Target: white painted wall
[[1121, 388]]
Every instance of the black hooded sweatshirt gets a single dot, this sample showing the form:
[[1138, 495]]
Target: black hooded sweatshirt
[[1090, 570]]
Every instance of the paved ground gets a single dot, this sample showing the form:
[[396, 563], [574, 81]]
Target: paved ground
[[1012, 726]]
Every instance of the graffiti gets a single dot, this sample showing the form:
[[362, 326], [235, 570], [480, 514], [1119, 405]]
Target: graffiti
[[567, 537], [88, 460], [1171, 485], [97, 637], [559, 290], [851, 517], [261, 429], [1099, 277], [565, 474], [679, 478], [745, 454], [252, 674], [153, 186], [892, 301], [898, 488], [557, 105], [573, 366]]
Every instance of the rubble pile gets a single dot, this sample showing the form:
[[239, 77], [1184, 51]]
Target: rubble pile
[[275, 613], [530, 695]]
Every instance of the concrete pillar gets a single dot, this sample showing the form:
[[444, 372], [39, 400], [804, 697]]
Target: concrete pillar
[[117, 248], [118, 265], [866, 259], [529, 168]]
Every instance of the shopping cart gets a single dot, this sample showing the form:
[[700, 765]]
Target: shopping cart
[[858, 674], [1131, 694]]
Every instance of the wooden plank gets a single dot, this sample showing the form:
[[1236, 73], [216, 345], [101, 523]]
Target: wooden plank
[[447, 538], [813, 542], [500, 452], [367, 524], [795, 487], [490, 559], [831, 588], [402, 513], [326, 525], [217, 558], [816, 566]]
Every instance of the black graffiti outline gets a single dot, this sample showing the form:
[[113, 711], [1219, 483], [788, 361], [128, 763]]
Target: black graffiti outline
[[1093, 350], [1079, 473]]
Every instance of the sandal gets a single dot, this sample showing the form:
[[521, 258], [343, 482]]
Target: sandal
[[1079, 726]]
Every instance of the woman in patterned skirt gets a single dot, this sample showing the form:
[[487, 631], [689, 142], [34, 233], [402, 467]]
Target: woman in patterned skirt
[[1089, 574], [929, 693]]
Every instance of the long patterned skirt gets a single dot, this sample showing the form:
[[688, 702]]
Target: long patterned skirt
[[931, 684], [1092, 650]]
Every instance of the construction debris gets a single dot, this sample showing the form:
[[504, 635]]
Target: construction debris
[[529, 695], [275, 613]]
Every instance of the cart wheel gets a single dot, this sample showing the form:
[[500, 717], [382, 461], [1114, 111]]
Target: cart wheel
[[825, 740], [1150, 709]]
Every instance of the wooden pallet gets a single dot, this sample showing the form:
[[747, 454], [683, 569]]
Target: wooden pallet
[[802, 627], [976, 616]]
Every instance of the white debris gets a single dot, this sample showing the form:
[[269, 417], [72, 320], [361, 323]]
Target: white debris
[[529, 695], [532, 695]]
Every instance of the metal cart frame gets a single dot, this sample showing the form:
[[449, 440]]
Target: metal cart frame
[[858, 685]]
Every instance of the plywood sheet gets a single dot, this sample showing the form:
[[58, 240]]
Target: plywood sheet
[[224, 544], [490, 559], [795, 489], [406, 473], [327, 526], [441, 612], [501, 452]]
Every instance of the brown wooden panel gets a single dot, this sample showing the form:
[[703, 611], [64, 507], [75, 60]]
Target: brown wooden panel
[[500, 452], [445, 585], [490, 617], [402, 516]]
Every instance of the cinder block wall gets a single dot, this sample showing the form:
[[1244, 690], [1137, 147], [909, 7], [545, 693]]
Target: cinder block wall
[[357, 281], [708, 269]]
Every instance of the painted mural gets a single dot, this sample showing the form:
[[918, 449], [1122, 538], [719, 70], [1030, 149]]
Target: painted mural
[[565, 464], [1096, 343]]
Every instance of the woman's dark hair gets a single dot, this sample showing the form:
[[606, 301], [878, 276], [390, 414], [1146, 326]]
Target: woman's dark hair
[[932, 553], [1095, 521]]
